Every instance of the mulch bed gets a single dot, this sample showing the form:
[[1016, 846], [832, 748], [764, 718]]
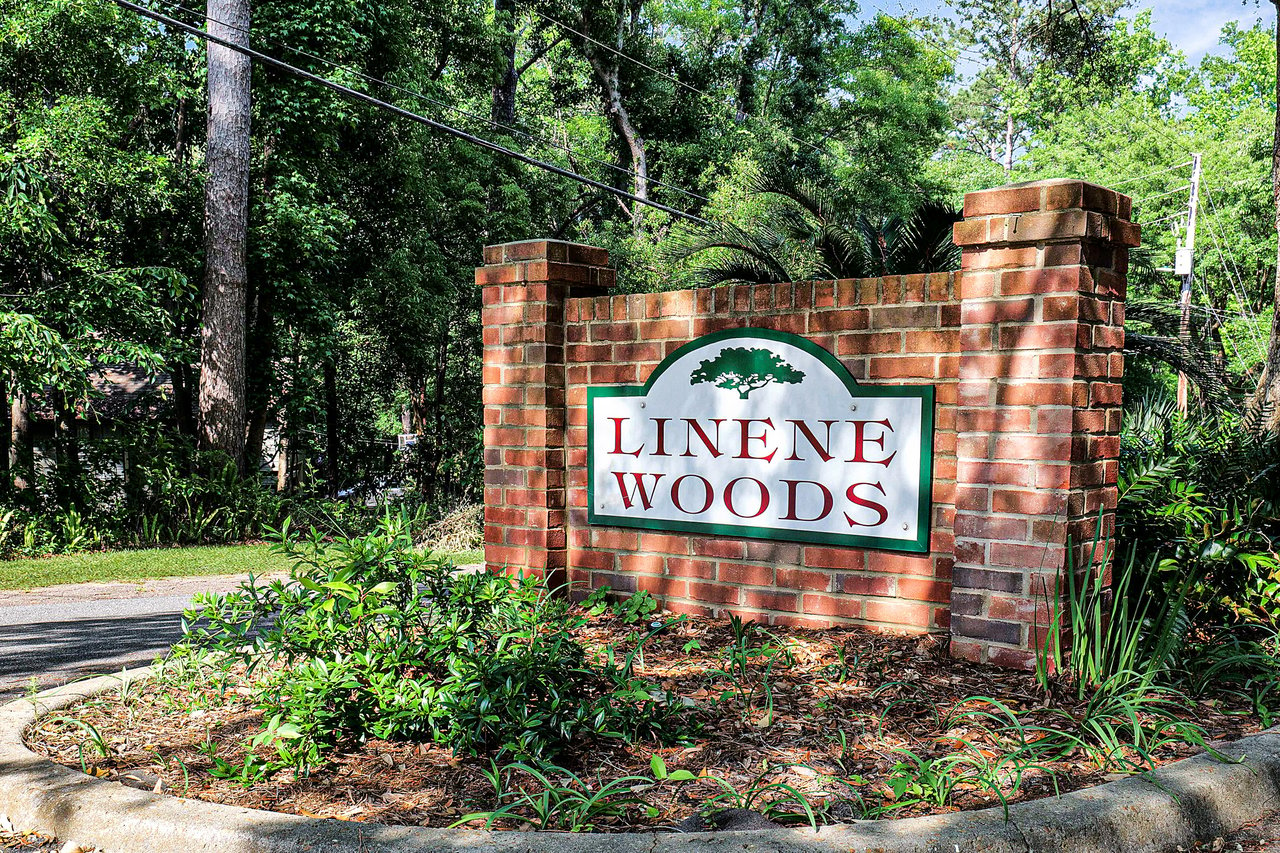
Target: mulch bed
[[835, 718]]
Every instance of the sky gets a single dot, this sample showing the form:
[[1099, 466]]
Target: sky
[[1191, 25]]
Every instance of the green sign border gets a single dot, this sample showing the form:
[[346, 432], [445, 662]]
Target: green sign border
[[925, 393]]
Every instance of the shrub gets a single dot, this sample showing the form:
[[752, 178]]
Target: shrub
[[1200, 499], [370, 637]]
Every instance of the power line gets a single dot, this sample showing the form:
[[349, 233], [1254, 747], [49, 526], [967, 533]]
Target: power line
[[400, 111], [1179, 215], [1138, 201], [427, 98], [1233, 273], [1213, 207], [1128, 181]]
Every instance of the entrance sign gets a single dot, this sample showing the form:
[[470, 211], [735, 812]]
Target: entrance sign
[[763, 434]]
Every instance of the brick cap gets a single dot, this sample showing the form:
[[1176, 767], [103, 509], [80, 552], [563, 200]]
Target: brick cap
[[1044, 226], [1052, 194], [559, 251]]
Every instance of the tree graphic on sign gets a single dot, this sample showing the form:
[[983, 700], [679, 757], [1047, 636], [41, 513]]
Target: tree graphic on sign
[[745, 370]]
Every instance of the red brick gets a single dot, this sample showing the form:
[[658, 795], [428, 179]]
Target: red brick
[[885, 561], [769, 599], [1002, 200], [977, 285], [704, 569], [1013, 257], [774, 552], [1016, 556], [838, 320], [1038, 336], [866, 584], [642, 563], [1054, 280], [716, 593], [899, 613], [833, 558], [830, 605], [904, 366], [986, 526], [745, 574], [802, 579], [965, 233], [662, 586], [905, 317], [666, 543], [730, 549], [1025, 502], [1012, 658], [615, 539], [997, 311], [924, 590]]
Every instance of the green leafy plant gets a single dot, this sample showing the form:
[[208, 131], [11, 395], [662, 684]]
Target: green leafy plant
[[565, 801], [636, 607], [95, 738], [1106, 636], [371, 637], [749, 662], [776, 800]]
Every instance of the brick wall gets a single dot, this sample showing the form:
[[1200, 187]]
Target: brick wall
[[900, 329], [1022, 346]]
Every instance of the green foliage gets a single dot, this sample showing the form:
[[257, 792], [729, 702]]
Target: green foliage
[[370, 637], [1189, 608], [801, 230], [776, 800], [637, 607], [1200, 500], [1118, 636], [567, 802], [167, 493], [749, 662]]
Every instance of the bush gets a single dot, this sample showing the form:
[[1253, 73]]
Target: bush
[[1192, 606], [167, 492], [1200, 499], [370, 637]]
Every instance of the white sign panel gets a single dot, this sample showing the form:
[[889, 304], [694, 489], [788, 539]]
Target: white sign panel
[[763, 434]]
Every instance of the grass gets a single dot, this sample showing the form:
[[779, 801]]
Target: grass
[[153, 563]]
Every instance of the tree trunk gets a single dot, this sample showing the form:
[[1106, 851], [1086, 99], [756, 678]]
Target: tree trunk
[[504, 93], [1008, 119], [261, 380], [226, 219], [749, 59], [21, 454], [183, 398], [332, 427], [6, 437], [606, 72], [67, 451], [1266, 400], [1008, 146]]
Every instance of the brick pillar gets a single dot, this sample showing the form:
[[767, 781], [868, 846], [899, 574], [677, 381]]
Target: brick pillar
[[1042, 288], [525, 286]]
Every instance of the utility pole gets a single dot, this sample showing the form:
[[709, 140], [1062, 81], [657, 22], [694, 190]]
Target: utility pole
[[1184, 265]]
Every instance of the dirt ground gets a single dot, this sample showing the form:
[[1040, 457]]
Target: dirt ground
[[850, 709]]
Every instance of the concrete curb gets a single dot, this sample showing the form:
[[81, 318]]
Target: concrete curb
[[1192, 800]]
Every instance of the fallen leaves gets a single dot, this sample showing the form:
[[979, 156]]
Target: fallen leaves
[[848, 699]]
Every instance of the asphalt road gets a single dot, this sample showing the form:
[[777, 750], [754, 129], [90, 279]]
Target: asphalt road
[[61, 633], [58, 634], [55, 643]]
